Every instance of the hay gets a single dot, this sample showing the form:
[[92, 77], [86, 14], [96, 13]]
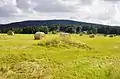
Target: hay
[[64, 35], [10, 32], [26, 70], [39, 35], [3, 37], [64, 43]]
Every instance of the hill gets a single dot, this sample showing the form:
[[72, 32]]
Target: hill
[[44, 22], [70, 26]]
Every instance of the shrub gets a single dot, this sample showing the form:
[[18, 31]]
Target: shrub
[[105, 35], [92, 36], [54, 32], [111, 35], [81, 34], [115, 35]]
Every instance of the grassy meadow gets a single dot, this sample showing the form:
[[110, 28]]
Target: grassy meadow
[[22, 57]]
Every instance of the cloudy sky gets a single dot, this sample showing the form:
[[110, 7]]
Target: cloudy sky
[[95, 11]]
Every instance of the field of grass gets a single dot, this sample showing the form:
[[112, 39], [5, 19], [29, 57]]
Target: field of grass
[[22, 58]]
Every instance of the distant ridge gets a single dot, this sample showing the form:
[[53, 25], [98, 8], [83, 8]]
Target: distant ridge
[[44, 22]]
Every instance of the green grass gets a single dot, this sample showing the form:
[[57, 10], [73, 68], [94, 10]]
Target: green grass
[[22, 58]]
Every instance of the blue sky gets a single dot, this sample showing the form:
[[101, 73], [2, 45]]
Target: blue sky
[[95, 11]]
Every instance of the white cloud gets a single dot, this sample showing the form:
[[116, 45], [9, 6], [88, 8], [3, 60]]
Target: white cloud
[[95, 11]]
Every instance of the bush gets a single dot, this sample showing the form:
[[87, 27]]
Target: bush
[[111, 35], [92, 36], [105, 35], [54, 32], [81, 34]]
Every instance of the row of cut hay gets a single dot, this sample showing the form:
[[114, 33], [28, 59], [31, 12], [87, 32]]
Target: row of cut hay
[[63, 43]]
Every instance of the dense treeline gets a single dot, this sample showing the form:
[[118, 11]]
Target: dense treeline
[[64, 28], [70, 28]]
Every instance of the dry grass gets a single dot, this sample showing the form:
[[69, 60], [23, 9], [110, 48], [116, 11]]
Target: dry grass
[[66, 43], [22, 58]]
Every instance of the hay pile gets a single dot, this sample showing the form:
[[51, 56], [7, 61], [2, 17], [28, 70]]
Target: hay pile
[[10, 32], [39, 35], [63, 43]]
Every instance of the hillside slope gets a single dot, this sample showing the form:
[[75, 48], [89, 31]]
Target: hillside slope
[[45, 22]]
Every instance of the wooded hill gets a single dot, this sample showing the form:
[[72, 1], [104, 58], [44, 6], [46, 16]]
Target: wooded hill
[[70, 26]]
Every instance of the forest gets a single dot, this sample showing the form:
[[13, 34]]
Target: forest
[[54, 26]]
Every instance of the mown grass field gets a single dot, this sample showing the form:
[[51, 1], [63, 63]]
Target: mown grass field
[[22, 58]]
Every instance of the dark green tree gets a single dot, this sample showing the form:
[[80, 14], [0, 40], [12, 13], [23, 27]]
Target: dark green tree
[[71, 29], [78, 29], [44, 29], [94, 30]]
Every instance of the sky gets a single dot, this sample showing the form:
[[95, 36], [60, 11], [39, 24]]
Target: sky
[[93, 11]]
